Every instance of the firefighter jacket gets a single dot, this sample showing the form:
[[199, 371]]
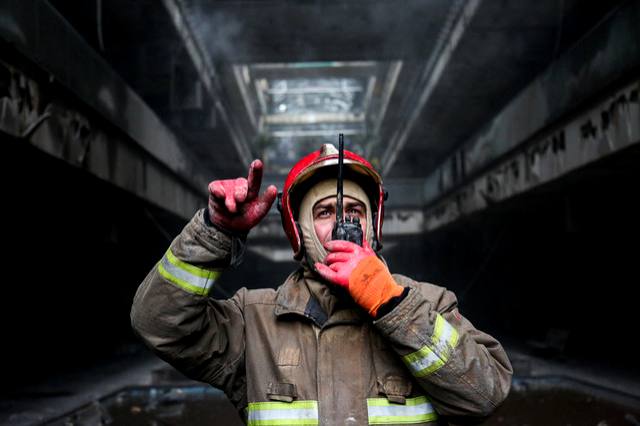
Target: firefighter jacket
[[282, 360]]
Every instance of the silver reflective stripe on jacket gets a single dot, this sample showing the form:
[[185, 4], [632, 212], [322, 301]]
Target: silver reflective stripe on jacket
[[427, 359], [186, 276], [282, 413], [415, 410]]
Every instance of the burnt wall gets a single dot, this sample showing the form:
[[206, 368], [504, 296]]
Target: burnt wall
[[75, 250], [554, 271]]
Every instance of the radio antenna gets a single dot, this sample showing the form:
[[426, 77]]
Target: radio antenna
[[339, 218]]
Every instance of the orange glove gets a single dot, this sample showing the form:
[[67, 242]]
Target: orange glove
[[234, 204], [359, 270]]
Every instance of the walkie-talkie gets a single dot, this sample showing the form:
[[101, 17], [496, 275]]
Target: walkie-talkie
[[348, 228]]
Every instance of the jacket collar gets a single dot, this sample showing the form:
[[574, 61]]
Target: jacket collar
[[294, 298]]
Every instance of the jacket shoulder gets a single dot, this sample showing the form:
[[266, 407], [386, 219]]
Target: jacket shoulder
[[261, 296]]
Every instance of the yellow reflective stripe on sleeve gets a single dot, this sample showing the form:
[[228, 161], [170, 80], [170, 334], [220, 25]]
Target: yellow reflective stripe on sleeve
[[445, 337], [282, 413], [415, 410], [423, 362], [188, 277], [427, 359]]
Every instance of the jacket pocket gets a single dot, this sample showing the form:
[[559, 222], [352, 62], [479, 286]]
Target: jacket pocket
[[288, 356], [392, 377], [284, 392], [395, 388]]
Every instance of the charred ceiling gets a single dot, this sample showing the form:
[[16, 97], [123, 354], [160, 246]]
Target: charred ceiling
[[437, 71]]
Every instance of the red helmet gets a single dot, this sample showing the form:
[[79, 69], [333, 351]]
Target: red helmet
[[323, 164]]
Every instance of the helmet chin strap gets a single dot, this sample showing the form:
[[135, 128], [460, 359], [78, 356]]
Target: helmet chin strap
[[376, 245], [305, 259]]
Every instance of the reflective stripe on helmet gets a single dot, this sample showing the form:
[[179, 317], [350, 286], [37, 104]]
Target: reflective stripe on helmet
[[415, 410], [282, 413], [188, 277], [428, 359]]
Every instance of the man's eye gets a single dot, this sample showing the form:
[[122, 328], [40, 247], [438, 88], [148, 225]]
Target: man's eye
[[323, 213], [354, 211]]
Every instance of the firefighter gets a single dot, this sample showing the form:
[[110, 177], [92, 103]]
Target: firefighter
[[342, 341]]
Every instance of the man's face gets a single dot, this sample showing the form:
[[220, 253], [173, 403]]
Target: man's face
[[324, 215]]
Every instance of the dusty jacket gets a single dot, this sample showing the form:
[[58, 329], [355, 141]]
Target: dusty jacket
[[282, 360]]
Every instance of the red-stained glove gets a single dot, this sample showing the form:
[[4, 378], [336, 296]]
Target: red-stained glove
[[234, 204], [360, 271]]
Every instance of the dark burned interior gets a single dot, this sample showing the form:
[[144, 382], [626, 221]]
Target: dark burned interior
[[506, 132]]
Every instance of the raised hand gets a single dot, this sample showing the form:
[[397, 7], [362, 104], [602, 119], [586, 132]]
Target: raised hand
[[360, 271], [342, 259], [235, 204]]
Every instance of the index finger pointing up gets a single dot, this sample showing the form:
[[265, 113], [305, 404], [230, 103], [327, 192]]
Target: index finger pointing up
[[254, 180]]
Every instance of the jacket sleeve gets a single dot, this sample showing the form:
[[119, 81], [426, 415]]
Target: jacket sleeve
[[172, 313], [464, 371]]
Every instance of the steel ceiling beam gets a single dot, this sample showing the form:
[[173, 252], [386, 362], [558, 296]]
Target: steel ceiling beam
[[460, 16], [206, 72]]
